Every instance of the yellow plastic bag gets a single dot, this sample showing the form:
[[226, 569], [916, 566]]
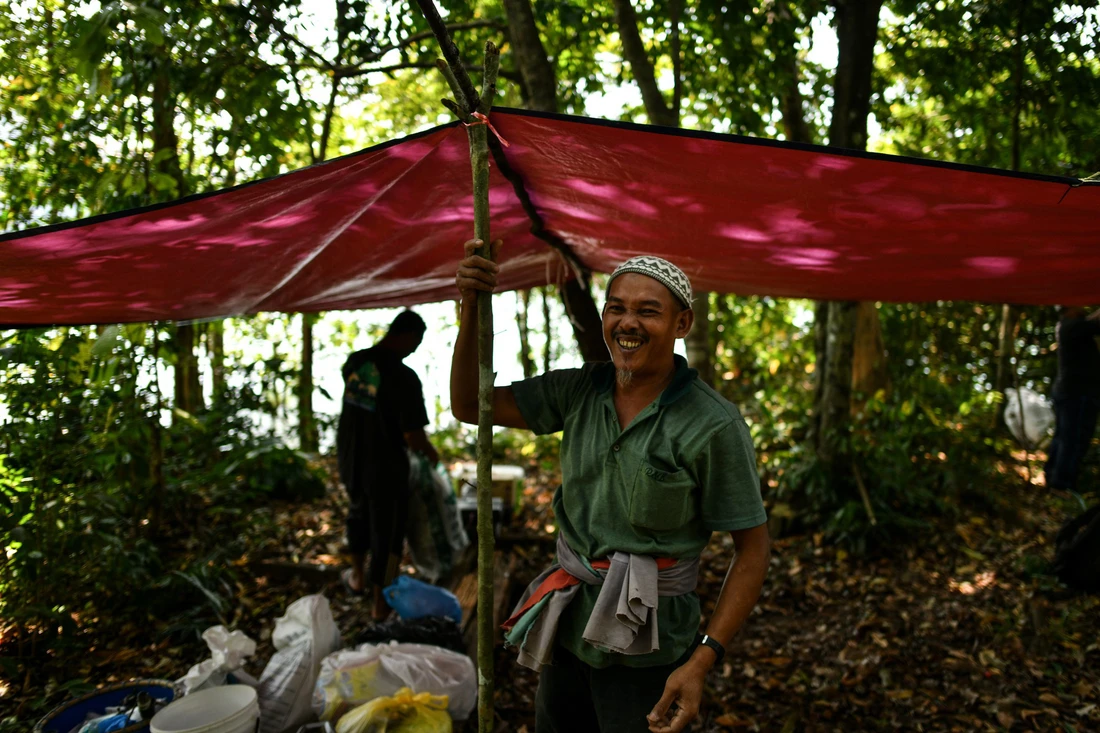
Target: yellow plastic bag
[[404, 712]]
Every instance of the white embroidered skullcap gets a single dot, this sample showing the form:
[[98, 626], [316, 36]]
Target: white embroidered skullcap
[[663, 271]]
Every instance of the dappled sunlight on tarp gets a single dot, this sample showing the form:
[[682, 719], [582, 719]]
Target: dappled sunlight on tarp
[[384, 227], [757, 217]]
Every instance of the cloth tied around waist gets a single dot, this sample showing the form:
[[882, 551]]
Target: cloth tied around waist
[[624, 619]]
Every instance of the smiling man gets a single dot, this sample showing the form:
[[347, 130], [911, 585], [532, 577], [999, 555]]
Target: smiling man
[[653, 462]]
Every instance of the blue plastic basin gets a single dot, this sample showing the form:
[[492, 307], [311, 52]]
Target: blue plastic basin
[[69, 715]]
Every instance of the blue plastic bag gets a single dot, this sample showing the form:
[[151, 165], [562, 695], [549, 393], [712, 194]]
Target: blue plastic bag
[[107, 723], [413, 598]]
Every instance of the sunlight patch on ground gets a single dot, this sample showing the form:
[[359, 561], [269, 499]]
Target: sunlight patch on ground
[[981, 581]]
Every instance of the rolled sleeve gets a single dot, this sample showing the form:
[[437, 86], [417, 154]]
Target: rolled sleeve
[[730, 484]]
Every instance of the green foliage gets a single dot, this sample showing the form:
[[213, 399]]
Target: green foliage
[[458, 442], [957, 76], [928, 447], [108, 496], [764, 360], [277, 472]]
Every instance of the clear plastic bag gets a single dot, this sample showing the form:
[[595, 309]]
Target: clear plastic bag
[[403, 712], [352, 677], [1033, 424], [436, 534]]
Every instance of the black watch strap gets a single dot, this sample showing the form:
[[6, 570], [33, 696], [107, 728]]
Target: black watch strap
[[713, 643]]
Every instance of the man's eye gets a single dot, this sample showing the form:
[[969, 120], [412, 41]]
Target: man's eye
[[647, 312], [615, 309]]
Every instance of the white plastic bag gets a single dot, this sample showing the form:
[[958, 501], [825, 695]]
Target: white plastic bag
[[436, 535], [352, 677], [228, 650], [1038, 417], [303, 636]]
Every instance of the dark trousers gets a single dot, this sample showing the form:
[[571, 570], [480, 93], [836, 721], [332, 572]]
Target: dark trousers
[[376, 522], [1074, 425], [576, 698]]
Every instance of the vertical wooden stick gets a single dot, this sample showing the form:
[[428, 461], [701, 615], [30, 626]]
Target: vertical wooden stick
[[468, 102], [479, 159]]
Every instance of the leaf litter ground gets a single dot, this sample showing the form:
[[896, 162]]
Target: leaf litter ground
[[957, 630]]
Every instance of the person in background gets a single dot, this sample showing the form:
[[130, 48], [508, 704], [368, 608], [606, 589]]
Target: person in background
[[383, 414], [653, 462], [1076, 395]]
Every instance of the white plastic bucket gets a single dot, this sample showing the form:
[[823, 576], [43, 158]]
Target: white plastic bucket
[[227, 709]]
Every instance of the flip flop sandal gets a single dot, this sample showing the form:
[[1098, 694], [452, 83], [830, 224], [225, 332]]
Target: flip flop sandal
[[345, 579]]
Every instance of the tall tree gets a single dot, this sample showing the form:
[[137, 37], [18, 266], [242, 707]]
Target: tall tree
[[308, 437], [523, 307], [857, 33], [548, 331], [540, 86]]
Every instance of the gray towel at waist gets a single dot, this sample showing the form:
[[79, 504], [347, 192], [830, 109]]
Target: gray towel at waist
[[624, 619]]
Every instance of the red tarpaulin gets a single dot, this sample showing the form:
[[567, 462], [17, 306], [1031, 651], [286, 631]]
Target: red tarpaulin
[[384, 227]]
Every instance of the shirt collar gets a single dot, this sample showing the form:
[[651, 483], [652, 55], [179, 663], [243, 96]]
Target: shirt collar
[[603, 379]]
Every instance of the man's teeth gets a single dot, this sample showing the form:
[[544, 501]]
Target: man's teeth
[[629, 343]]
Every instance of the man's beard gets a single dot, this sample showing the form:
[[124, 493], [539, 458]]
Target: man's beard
[[624, 377]]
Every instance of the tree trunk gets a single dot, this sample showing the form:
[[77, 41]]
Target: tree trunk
[[1006, 339], [308, 439], [216, 346], [836, 393], [641, 67], [164, 131], [700, 349], [869, 373], [795, 127], [188, 391], [821, 360], [857, 31], [523, 304], [1006, 350], [531, 58], [548, 347], [307, 426]]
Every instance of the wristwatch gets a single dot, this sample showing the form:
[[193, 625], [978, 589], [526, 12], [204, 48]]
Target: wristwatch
[[713, 643]]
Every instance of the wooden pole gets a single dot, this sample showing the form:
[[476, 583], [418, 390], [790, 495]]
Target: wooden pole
[[467, 102]]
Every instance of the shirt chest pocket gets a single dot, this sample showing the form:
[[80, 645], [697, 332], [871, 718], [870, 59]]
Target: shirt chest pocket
[[661, 500]]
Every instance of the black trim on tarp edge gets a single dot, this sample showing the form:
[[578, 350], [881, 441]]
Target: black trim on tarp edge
[[98, 218], [786, 145]]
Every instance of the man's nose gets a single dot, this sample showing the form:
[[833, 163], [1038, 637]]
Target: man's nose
[[629, 321]]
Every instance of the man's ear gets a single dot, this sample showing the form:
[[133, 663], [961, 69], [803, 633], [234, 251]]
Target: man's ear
[[684, 322]]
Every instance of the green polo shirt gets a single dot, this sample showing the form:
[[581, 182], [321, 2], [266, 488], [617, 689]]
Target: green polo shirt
[[682, 469]]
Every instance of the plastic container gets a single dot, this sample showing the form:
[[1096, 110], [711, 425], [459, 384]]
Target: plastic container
[[67, 716], [228, 709]]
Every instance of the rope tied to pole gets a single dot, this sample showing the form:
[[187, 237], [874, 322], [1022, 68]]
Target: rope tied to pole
[[480, 119]]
